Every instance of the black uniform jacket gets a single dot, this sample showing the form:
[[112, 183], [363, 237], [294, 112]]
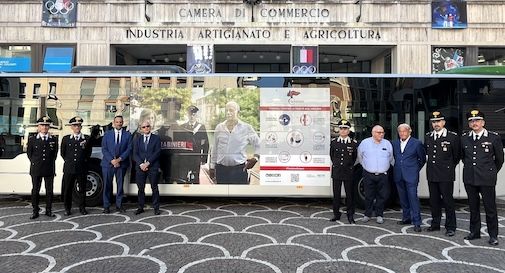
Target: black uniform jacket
[[343, 156], [42, 155], [443, 156], [482, 158], [75, 153]]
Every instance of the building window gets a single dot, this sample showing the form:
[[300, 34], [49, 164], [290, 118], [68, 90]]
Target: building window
[[22, 90], [114, 86], [491, 56], [15, 58], [51, 112], [4, 88], [21, 112], [58, 59], [52, 88], [33, 115], [36, 90], [88, 89], [110, 110]]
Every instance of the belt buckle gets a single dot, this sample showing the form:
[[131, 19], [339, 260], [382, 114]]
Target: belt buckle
[[376, 174]]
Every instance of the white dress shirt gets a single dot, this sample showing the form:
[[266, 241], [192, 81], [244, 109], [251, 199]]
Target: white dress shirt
[[403, 143]]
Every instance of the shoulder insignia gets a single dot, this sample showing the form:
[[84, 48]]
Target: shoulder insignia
[[429, 133], [494, 133], [451, 132], [354, 141], [465, 134]]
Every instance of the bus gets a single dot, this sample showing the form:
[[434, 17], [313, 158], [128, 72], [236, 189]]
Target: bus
[[294, 118]]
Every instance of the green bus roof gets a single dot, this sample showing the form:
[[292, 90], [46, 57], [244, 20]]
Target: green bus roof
[[477, 70]]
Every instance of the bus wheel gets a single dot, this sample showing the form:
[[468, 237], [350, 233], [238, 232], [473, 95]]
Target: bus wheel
[[94, 187], [359, 194]]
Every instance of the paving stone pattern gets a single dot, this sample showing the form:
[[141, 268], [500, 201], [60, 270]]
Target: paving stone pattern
[[242, 235]]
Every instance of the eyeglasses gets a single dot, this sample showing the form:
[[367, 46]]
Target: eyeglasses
[[147, 126]]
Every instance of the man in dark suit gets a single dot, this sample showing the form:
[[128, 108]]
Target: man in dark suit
[[42, 151], [195, 153], [409, 157], [343, 154], [116, 148], [443, 150], [76, 151], [482, 155], [146, 153]]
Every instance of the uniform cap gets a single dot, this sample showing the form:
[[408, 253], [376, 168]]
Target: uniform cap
[[343, 123], [193, 109], [475, 114], [437, 115], [76, 120], [45, 120]]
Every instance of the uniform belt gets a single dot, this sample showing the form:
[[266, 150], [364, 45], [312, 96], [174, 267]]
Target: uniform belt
[[378, 173]]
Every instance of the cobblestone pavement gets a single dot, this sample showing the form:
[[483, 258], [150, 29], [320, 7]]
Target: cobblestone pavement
[[240, 235]]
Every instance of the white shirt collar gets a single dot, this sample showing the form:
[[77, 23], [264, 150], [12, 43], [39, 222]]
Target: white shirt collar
[[148, 135], [482, 133], [78, 136], [344, 140], [405, 141], [442, 132], [40, 135]]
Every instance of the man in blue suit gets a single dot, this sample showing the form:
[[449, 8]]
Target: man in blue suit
[[410, 157], [146, 153], [116, 148]]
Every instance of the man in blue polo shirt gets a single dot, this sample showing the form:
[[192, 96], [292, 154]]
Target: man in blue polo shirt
[[376, 156]]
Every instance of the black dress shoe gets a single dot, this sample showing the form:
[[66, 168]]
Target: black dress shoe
[[418, 229], [493, 241], [35, 215], [121, 209], [68, 212], [472, 236], [404, 222], [83, 211], [157, 212], [50, 213], [351, 219], [335, 218], [450, 233], [106, 210], [139, 211], [430, 229]]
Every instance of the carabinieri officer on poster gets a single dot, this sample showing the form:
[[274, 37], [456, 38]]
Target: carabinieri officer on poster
[[443, 150], [483, 158], [343, 153]]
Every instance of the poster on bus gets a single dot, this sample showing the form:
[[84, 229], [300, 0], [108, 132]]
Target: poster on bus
[[295, 136], [304, 59], [200, 59], [448, 14], [447, 58], [208, 135], [59, 13]]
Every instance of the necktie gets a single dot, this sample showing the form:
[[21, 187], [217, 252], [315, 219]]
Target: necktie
[[437, 136], [45, 138], [117, 137], [76, 138], [146, 140], [476, 138]]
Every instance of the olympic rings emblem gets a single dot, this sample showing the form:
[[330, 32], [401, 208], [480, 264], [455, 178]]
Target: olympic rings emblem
[[303, 69], [60, 6]]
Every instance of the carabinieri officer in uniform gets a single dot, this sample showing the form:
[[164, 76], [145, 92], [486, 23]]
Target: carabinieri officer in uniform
[[76, 151], [483, 158], [343, 153], [42, 151], [443, 150]]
